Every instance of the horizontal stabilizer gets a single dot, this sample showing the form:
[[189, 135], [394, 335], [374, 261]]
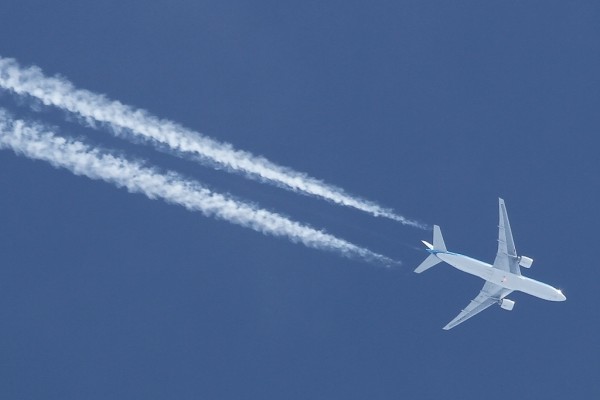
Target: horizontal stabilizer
[[428, 263]]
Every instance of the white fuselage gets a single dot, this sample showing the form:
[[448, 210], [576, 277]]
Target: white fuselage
[[499, 277]]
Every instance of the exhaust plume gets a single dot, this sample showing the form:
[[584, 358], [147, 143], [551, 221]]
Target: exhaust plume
[[126, 121], [37, 142]]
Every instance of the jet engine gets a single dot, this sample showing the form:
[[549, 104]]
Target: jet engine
[[525, 262], [507, 304]]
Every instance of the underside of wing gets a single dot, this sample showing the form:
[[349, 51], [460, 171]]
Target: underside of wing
[[489, 294], [506, 258]]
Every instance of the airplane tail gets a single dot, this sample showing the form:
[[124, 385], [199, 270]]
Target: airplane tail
[[437, 246]]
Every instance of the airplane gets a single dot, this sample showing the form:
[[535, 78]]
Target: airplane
[[501, 278]]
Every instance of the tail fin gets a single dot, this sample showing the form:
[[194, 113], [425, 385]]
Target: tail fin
[[438, 245], [438, 239]]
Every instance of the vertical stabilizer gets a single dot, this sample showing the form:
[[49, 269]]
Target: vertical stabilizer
[[437, 246], [438, 240]]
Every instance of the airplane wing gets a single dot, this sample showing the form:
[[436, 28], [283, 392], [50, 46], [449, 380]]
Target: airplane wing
[[489, 294], [506, 258]]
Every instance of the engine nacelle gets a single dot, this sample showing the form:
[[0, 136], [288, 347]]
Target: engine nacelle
[[525, 262], [507, 304]]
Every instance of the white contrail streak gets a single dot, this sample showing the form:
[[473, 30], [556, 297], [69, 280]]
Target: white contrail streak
[[126, 121], [34, 141]]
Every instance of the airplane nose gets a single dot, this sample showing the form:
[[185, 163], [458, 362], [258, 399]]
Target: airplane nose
[[561, 296]]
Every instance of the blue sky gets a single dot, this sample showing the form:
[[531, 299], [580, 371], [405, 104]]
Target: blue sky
[[430, 108]]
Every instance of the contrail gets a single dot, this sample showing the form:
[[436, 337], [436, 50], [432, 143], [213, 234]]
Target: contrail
[[126, 121], [36, 142]]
